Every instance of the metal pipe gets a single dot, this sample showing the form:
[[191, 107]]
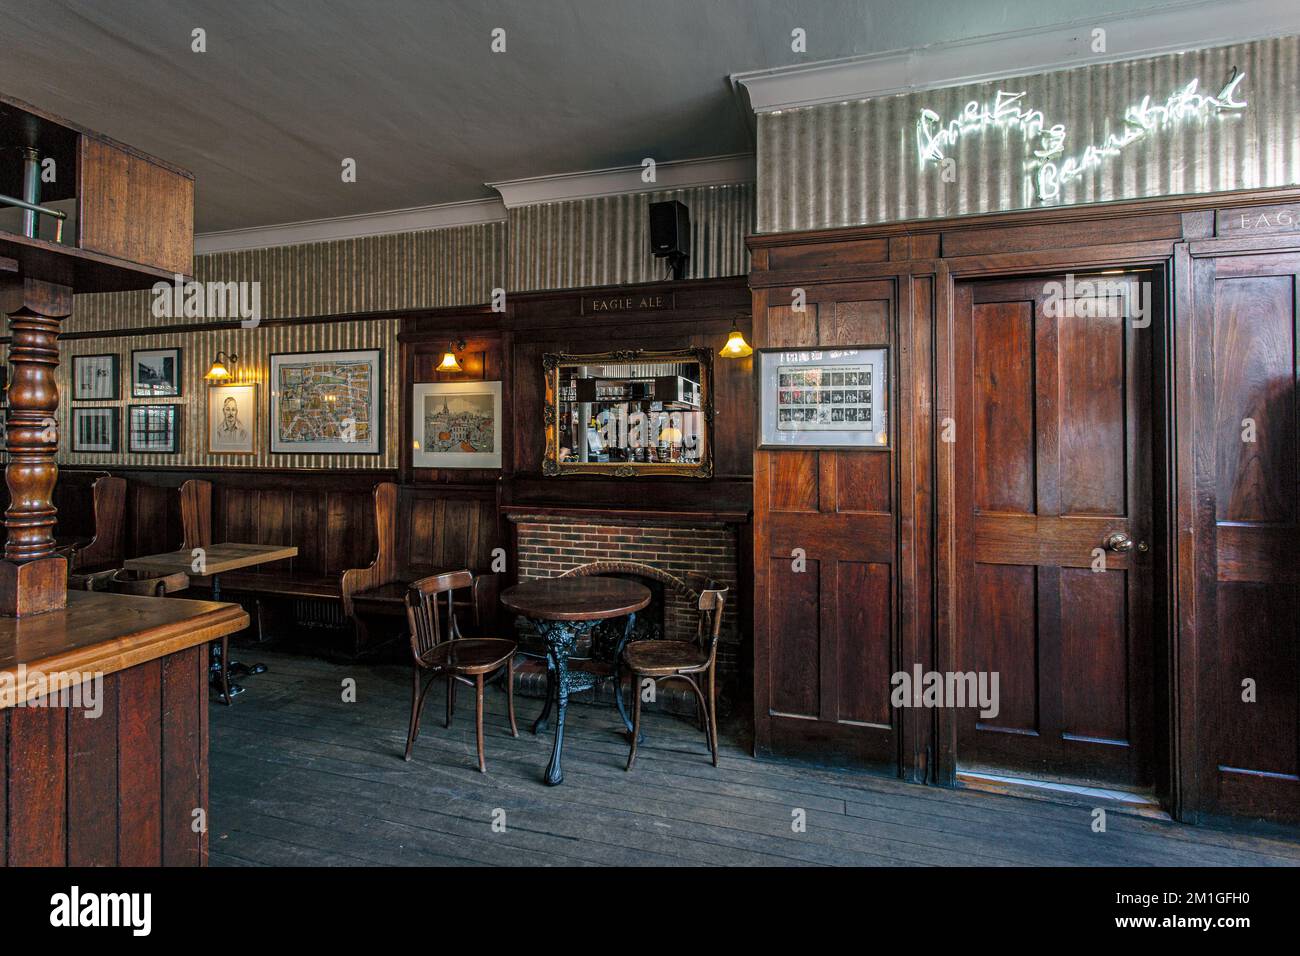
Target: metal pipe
[[32, 209], [31, 189]]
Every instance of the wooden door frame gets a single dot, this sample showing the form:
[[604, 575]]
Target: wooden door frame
[[1156, 256]]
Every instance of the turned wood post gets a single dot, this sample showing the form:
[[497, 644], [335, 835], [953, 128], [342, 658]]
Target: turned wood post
[[32, 577]]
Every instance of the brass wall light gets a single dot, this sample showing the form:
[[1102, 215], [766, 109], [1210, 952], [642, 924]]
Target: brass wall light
[[222, 367], [449, 361], [736, 346]]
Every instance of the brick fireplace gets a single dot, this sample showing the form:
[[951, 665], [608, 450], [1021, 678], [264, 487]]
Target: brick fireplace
[[550, 542]]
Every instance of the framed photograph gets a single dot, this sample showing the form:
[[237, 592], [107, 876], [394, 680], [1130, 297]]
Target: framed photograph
[[823, 398], [96, 429], [155, 373], [153, 428], [456, 425], [232, 420], [95, 378], [327, 403]]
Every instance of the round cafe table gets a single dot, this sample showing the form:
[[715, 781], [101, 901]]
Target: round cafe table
[[562, 609]]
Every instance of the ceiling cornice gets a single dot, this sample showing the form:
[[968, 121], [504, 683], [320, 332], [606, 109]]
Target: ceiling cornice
[[1128, 37], [414, 219], [679, 174]]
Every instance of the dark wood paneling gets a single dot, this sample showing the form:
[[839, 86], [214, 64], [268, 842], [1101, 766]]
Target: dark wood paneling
[[37, 786], [93, 783], [139, 765], [184, 704]]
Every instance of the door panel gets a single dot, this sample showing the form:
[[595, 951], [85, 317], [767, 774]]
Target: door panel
[[1246, 649], [1056, 404]]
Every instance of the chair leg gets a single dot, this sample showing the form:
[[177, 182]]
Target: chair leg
[[510, 695], [225, 668], [413, 729], [713, 714], [478, 720], [636, 718], [451, 699]]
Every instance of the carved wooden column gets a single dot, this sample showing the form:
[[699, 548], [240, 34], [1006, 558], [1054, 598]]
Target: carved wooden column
[[32, 578]]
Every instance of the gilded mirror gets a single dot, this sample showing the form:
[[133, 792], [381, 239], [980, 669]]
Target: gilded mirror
[[632, 412]]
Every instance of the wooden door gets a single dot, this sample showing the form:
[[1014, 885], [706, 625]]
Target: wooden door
[[1051, 447], [826, 639], [1240, 635]]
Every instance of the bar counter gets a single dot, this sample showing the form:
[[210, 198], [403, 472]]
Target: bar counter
[[104, 731]]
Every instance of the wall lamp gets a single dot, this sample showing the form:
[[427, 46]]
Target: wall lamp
[[449, 361], [736, 346], [222, 367]]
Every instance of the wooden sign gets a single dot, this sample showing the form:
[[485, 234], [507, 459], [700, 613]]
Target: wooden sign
[[642, 302], [1258, 220]]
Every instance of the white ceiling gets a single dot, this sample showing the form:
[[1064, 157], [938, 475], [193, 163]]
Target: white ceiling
[[411, 90]]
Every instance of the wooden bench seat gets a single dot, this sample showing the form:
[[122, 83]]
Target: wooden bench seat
[[287, 584], [416, 537]]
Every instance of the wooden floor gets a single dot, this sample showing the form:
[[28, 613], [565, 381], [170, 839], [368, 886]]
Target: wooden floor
[[301, 778]]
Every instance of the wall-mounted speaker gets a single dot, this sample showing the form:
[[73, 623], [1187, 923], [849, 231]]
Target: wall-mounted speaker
[[670, 234]]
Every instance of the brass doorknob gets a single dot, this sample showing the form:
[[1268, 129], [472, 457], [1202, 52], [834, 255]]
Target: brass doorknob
[[1117, 541]]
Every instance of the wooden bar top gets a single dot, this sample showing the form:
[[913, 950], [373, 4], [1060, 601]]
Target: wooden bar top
[[101, 633]]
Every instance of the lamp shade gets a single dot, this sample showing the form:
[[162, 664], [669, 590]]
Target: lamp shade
[[449, 363], [736, 346], [218, 372]]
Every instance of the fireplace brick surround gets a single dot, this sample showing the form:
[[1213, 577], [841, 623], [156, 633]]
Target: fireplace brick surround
[[550, 544]]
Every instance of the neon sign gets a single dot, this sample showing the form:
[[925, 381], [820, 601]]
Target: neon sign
[[1048, 163]]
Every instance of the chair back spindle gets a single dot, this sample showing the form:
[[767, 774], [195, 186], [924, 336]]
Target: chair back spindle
[[425, 616]]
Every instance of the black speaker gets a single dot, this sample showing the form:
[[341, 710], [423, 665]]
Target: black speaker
[[670, 234]]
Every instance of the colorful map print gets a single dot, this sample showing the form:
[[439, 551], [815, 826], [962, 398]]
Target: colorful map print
[[324, 401]]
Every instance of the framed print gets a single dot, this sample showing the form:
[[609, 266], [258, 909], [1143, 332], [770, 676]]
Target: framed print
[[155, 373], [153, 428], [327, 402], [95, 378], [95, 429], [823, 398], [456, 425], [232, 420]]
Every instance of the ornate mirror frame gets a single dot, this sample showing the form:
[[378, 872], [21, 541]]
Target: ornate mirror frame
[[552, 466]]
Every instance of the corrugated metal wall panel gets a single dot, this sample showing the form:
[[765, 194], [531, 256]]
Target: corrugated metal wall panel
[[606, 240], [415, 270], [857, 163]]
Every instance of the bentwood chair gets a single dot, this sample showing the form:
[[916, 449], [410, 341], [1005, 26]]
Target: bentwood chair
[[690, 661], [441, 651]]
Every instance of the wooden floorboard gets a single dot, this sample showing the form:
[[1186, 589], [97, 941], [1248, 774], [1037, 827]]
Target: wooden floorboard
[[301, 777]]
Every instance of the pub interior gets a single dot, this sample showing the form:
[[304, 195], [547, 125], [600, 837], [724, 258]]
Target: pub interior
[[595, 433]]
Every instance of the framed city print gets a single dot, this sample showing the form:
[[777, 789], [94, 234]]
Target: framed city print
[[823, 398], [456, 425], [155, 373], [95, 378], [327, 402], [153, 429], [232, 420], [96, 429]]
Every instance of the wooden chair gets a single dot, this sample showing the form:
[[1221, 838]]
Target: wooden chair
[[681, 660], [453, 656], [196, 514]]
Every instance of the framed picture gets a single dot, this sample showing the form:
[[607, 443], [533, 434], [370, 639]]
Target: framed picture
[[456, 425], [95, 378], [823, 398], [155, 373], [327, 402], [95, 429], [232, 420], [153, 428]]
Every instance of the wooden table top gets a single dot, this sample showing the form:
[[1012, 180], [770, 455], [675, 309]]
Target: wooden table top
[[576, 599], [218, 558], [103, 633]]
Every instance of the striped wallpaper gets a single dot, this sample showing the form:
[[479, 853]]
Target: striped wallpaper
[[606, 240]]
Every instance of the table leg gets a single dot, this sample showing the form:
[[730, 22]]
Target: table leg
[[543, 721], [236, 668], [561, 636]]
